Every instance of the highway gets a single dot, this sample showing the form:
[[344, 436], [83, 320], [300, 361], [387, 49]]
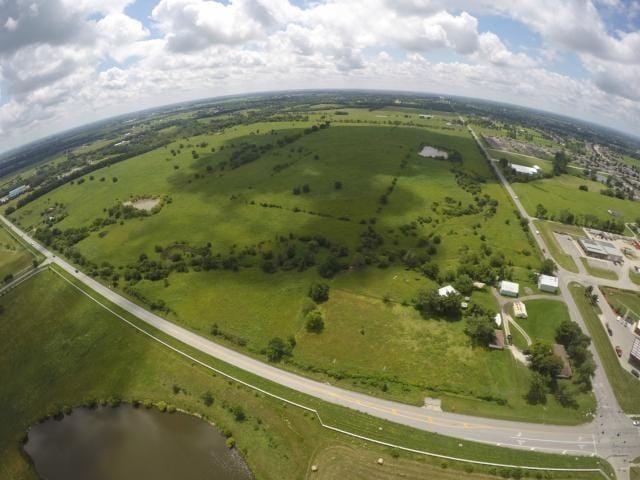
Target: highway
[[609, 435]]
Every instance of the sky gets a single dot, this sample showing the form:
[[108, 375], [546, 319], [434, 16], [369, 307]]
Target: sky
[[66, 63]]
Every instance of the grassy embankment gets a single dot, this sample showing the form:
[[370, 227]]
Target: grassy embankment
[[625, 386], [623, 301], [600, 272], [82, 352], [14, 256], [252, 307]]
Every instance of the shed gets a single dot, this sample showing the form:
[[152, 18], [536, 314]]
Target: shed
[[560, 352], [498, 319], [498, 340], [519, 310], [509, 289], [525, 170], [548, 283], [447, 290]]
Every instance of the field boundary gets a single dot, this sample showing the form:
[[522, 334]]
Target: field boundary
[[313, 410]]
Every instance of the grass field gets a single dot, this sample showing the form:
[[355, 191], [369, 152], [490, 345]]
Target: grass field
[[600, 272], [623, 301], [544, 317], [546, 229], [252, 208], [562, 193], [14, 257], [635, 277], [545, 165], [86, 353], [625, 386]]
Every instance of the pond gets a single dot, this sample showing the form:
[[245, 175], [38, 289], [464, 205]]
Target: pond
[[431, 152], [132, 443]]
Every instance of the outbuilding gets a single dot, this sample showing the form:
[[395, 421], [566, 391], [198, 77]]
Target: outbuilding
[[447, 290], [498, 340], [524, 169], [509, 289], [519, 310], [548, 283], [498, 319]]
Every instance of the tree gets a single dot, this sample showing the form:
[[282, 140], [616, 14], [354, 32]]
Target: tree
[[207, 398], [464, 284], [1, 309], [296, 190], [277, 349], [430, 270], [329, 267], [543, 360], [541, 211], [560, 162], [238, 413], [315, 321], [584, 188], [537, 394], [337, 185], [504, 163], [564, 396], [548, 267], [8, 278], [306, 188], [430, 302], [481, 330], [319, 292]]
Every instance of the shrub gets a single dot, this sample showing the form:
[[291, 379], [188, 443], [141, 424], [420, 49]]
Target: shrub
[[238, 413], [230, 442], [319, 292], [207, 398], [315, 321]]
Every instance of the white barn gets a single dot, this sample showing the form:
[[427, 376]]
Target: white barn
[[548, 283], [509, 289], [446, 291]]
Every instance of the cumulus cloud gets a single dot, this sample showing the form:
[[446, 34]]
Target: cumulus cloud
[[63, 62]]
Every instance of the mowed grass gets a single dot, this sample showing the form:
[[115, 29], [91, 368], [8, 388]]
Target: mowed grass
[[253, 307], [83, 352], [623, 301], [597, 271], [544, 317], [547, 230], [625, 386], [520, 159], [14, 257], [562, 193]]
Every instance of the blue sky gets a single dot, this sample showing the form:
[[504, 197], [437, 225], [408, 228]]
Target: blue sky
[[67, 62]]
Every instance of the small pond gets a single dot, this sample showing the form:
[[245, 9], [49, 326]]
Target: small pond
[[132, 443], [431, 152]]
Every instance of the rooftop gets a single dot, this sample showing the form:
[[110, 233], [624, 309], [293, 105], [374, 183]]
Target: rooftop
[[447, 290], [548, 280]]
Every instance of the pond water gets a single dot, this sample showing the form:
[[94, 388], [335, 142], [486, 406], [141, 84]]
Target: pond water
[[132, 443], [428, 151]]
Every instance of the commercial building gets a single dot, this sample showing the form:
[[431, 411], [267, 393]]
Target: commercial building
[[560, 352], [446, 291], [600, 249], [634, 356], [519, 310], [524, 169], [509, 289], [547, 283]]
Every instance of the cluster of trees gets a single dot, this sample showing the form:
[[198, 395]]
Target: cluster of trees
[[277, 349], [584, 220], [431, 303], [560, 163], [60, 240], [304, 189]]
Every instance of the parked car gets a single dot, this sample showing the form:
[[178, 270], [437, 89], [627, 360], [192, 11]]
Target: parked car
[[609, 331], [619, 350], [635, 373], [636, 423]]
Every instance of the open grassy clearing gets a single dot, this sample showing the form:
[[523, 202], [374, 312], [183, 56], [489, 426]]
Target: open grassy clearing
[[278, 441], [14, 257], [546, 229], [562, 193], [625, 386], [544, 317], [623, 301], [600, 272], [545, 165], [252, 208]]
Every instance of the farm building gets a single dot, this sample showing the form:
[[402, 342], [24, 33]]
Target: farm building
[[525, 170], [446, 291], [560, 352], [634, 356], [547, 283], [600, 249], [17, 191], [509, 289], [519, 310], [498, 341]]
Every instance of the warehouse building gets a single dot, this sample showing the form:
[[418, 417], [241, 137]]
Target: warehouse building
[[509, 289], [547, 283], [17, 191], [525, 170], [600, 249]]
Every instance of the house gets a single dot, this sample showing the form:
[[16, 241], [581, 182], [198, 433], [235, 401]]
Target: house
[[600, 249], [548, 283], [519, 310], [560, 352], [446, 291], [498, 340], [525, 170], [509, 289], [498, 319]]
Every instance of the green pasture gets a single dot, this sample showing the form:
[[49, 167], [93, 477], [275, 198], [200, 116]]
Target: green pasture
[[14, 257], [544, 317]]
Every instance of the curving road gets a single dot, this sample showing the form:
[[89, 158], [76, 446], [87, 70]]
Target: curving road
[[609, 435]]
